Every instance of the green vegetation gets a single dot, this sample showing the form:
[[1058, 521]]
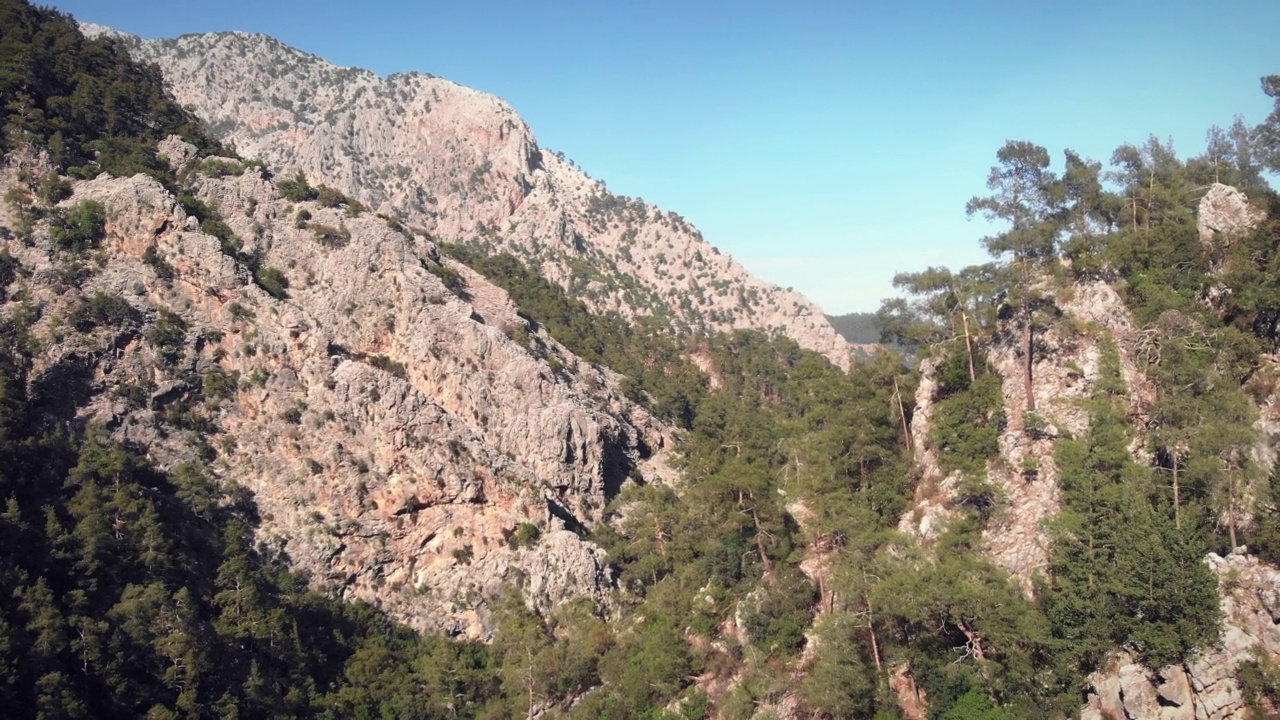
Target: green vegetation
[[132, 592], [329, 236], [1125, 567], [103, 310], [659, 374], [273, 281], [163, 270], [136, 593], [167, 335], [83, 227], [783, 424], [297, 188], [82, 100]]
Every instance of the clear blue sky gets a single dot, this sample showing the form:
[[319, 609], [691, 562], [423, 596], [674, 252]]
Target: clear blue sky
[[826, 145]]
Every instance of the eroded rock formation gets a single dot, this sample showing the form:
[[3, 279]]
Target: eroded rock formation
[[394, 433], [462, 165]]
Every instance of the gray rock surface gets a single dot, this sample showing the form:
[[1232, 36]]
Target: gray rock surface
[[1064, 370], [1224, 215], [465, 167], [393, 432]]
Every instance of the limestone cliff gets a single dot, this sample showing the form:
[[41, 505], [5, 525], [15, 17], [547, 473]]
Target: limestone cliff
[[407, 444], [1024, 472], [465, 167]]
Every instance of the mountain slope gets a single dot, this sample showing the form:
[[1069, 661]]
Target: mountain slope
[[465, 167], [349, 405]]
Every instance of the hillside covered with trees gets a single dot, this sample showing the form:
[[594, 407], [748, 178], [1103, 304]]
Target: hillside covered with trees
[[774, 578]]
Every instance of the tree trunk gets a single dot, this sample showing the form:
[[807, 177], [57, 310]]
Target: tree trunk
[[1177, 516], [906, 429], [1231, 516], [764, 557], [968, 344], [871, 626], [1026, 352]]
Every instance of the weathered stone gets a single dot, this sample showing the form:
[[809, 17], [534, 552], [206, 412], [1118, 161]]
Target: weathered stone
[[1107, 691], [393, 433], [1137, 693], [1026, 472], [1224, 215], [1175, 688], [462, 164]]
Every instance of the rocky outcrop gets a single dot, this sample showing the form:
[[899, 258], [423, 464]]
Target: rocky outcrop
[[1024, 473], [1224, 215], [396, 434], [465, 167], [1205, 687]]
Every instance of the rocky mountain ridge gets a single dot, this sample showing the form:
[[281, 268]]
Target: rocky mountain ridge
[[347, 406], [464, 167]]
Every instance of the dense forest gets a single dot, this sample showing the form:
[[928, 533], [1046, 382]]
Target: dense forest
[[136, 591]]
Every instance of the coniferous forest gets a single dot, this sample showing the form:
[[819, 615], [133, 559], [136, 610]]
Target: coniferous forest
[[130, 590]]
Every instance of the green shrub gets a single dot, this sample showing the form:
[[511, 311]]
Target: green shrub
[[151, 257], [386, 364], [218, 383], [54, 189], [1259, 683], [8, 271], [967, 425], [776, 622], [297, 189], [525, 535], [273, 281], [168, 336], [81, 228], [329, 236], [103, 309], [330, 198], [240, 312], [451, 278]]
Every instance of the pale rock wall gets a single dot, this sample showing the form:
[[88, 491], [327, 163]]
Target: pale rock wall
[[1224, 215], [1064, 370], [465, 167], [422, 435]]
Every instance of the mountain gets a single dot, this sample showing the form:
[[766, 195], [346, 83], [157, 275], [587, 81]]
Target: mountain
[[465, 168], [266, 451], [856, 328]]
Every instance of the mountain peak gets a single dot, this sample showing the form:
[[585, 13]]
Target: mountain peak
[[464, 167]]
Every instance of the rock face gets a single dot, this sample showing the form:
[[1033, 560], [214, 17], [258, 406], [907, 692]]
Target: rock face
[[1025, 473], [465, 167], [1204, 688], [395, 433], [1224, 215]]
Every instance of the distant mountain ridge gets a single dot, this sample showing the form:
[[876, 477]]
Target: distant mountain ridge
[[859, 328], [463, 166]]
